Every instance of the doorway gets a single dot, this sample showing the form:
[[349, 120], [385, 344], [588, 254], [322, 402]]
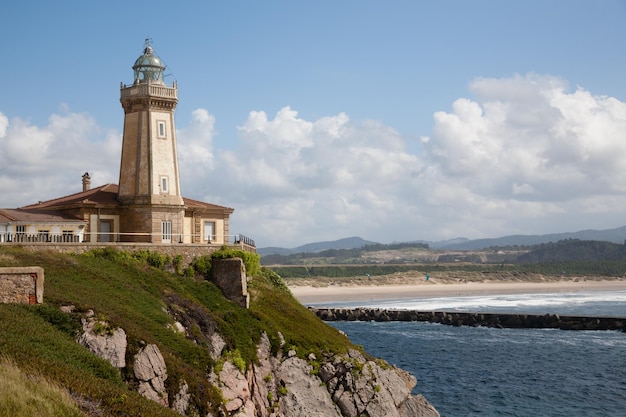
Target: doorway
[[105, 231]]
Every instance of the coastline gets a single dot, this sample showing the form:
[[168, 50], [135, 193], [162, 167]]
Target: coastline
[[308, 294]]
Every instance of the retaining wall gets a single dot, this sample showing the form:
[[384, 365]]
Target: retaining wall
[[22, 285], [230, 276], [187, 251]]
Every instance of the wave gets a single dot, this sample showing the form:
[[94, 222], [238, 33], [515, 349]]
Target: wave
[[597, 303]]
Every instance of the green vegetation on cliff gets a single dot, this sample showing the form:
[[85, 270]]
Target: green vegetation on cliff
[[128, 292], [32, 395]]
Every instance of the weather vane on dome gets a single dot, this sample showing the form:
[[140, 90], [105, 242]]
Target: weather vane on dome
[[148, 42]]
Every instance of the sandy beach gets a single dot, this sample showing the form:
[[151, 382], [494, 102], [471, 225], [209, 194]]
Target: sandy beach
[[307, 294]]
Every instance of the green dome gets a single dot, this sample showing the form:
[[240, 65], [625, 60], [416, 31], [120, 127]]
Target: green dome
[[148, 67]]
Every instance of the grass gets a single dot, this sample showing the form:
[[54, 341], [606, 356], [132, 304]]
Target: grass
[[144, 300], [275, 306], [32, 395]]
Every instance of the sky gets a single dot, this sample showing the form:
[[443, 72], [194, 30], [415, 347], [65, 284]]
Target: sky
[[394, 121]]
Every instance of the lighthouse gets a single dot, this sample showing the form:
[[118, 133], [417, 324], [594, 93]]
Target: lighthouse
[[149, 185]]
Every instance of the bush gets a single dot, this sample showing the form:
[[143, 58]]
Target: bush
[[201, 265], [155, 259], [178, 264], [274, 279], [67, 323], [189, 272], [252, 261], [111, 254]]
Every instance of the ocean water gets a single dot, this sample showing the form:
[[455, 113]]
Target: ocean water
[[466, 371], [598, 303]]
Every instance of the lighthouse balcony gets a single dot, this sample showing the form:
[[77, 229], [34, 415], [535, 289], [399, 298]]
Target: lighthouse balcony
[[149, 90]]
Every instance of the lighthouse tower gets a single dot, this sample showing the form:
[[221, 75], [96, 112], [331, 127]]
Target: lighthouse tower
[[149, 185]]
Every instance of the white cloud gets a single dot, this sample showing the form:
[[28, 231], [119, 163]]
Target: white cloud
[[521, 155], [4, 124], [195, 147], [43, 162], [561, 145]]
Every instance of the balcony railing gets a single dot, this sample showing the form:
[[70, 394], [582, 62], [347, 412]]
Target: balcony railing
[[244, 240], [149, 89], [38, 238], [241, 241]]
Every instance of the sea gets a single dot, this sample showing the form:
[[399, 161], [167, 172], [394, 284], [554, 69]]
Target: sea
[[488, 372]]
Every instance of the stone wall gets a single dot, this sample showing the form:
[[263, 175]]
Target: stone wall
[[187, 251], [230, 276], [22, 285]]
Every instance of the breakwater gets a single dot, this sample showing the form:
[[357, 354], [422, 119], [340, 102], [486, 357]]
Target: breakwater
[[513, 321]]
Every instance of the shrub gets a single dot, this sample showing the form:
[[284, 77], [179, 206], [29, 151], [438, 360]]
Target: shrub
[[111, 254], [67, 323], [251, 260], [201, 265], [189, 272], [237, 360], [155, 259], [178, 264], [274, 279], [158, 260], [234, 357]]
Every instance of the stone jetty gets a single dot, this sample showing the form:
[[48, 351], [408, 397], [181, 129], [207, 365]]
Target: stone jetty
[[513, 321]]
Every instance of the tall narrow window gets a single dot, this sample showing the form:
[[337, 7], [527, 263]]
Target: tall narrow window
[[166, 229], [164, 185], [161, 129]]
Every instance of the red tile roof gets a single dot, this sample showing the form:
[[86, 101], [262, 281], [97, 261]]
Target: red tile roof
[[106, 195], [191, 203], [103, 195], [36, 216]]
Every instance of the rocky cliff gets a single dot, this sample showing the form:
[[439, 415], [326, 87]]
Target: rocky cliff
[[348, 385], [125, 337]]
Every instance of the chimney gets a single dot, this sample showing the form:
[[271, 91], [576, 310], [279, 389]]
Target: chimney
[[86, 181]]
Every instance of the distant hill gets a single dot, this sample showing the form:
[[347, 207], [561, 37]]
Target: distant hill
[[354, 242], [617, 235], [574, 250]]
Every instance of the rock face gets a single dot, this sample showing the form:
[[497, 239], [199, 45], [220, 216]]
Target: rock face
[[235, 390], [181, 399], [303, 394], [277, 385], [151, 372], [107, 343], [188, 316], [345, 385], [362, 387]]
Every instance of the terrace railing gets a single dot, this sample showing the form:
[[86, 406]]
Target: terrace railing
[[241, 241], [39, 238]]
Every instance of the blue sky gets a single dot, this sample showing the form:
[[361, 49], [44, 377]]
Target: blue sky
[[394, 121]]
